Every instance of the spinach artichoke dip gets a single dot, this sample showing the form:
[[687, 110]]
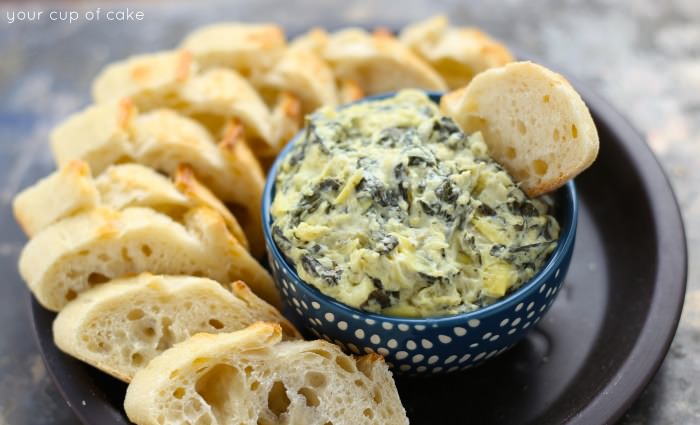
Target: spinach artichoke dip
[[389, 207]]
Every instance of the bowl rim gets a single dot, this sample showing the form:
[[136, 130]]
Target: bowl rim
[[565, 244]]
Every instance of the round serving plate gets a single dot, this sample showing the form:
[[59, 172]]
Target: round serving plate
[[586, 361]]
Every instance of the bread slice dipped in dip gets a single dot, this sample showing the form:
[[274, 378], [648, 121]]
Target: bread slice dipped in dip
[[387, 206]]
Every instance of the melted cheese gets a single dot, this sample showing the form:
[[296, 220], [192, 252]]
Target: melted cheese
[[387, 206]]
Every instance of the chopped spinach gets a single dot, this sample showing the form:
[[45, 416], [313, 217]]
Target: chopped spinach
[[429, 209], [314, 267], [401, 175], [298, 155], [530, 246], [386, 243], [496, 250], [279, 236], [485, 210], [432, 280], [524, 208], [311, 265], [447, 192], [380, 194], [329, 184], [314, 139], [390, 136], [309, 203], [400, 171], [436, 210], [414, 161], [381, 297], [445, 127]]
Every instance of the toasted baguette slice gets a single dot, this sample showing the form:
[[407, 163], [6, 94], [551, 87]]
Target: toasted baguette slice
[[100, 135], [198, 194], [288, 118], [316, 41], [534, 123], [378, 62], [81, 251], [173, 80], [302, 72], [135, 185], [349, 91], [144, 76], [120, 326], [456, 53], [71, 190], [163, 140], [220, 94], [61, 194], [244, 47], [250, 377]]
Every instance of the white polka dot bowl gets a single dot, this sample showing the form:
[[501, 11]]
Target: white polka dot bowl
[[430, 345]]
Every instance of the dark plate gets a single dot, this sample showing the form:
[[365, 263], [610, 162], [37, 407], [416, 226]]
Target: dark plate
[[586, 361]]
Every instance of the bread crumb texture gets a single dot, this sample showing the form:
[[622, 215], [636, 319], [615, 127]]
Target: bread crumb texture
[[121, 325], [234, 379]]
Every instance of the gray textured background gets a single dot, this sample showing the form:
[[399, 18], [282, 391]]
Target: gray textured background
[[643, 56]]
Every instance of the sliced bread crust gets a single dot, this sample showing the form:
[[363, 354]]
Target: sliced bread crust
[[456, 53], [245, 47], [64, 192], [378, 62], [72, 189], [250, 377], [174, 80], [90, 248], [119, 326], [147, 75], [164, 140]]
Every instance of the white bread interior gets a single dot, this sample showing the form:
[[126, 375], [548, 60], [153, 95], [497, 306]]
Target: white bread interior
[[250, 377], [119, 326], [534, 122]]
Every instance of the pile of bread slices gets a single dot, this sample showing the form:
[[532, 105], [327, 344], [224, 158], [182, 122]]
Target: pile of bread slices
[[146, 239]]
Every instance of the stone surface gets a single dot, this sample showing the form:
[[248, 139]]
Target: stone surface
[[642, 55]]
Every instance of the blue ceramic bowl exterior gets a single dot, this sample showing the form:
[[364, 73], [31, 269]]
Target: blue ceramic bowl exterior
[[432, 345]]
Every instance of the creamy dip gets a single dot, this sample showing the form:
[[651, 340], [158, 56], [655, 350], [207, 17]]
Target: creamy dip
[[389, 207]]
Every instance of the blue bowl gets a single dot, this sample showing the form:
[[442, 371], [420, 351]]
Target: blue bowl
[[430, 345]]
